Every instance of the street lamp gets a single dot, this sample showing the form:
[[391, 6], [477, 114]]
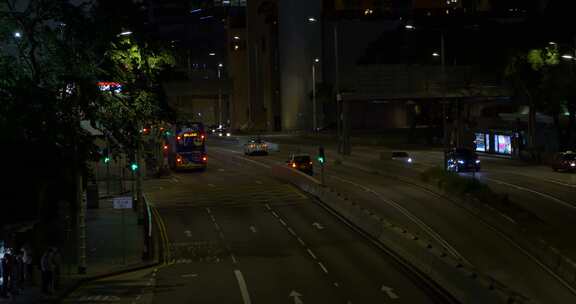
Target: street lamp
[[314, 107], [125, 33], [17, 35], [211, 54], [312, 19], [409, 27], [569, 57], [236, 37], [435, 54]]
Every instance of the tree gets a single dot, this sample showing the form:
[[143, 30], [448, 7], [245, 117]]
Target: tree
[[528, 74]]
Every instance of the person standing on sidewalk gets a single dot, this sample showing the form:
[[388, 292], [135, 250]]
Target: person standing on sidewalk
[[57, 263], [47, 267], [28, 267]]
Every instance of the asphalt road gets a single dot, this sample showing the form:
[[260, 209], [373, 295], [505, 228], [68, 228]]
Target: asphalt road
[[442, 222], [238, 236]]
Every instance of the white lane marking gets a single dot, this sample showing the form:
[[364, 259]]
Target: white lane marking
[[296, 297], [208, 210], [318, 226], [189, 275], [234, 260], [188, 233], [311, 253], [411, 217], [243, 287], [253, 229], [301, 242], [275, 214], [211, 185], [282, 222], [323, 267], [550, 197], [390, 292]]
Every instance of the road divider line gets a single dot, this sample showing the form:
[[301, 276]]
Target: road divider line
[[243, 287], [311, 253], [550, 197]]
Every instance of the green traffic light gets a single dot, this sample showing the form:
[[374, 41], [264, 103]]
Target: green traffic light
[[106, 159], [134, 166], [321, 159]]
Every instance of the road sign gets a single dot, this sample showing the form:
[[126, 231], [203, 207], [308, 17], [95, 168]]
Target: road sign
[[123, 202]]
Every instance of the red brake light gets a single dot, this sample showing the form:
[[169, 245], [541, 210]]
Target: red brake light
[[204, 158], [202, 136], [178, 138], [165, 147], [179, 159]]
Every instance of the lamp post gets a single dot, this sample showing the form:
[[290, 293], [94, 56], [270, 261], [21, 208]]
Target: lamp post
[[314, 105], [220, 110]]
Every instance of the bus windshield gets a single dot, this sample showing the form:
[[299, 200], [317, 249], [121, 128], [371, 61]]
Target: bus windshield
[[190, 142]]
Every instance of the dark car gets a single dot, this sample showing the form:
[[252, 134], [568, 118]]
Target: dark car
[[301, 162], [461, 160], [565, 161]]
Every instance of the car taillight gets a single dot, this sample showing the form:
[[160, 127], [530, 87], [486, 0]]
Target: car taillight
[[179, 159], [165, 147], [204, 158], [293, 165]]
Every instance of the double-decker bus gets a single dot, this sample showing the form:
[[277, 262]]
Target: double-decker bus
[[187, 147]]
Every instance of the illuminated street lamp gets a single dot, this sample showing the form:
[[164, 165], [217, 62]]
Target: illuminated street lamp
[[312, 19], [17, 35], [569, 57], [125, 33], [409, 27]]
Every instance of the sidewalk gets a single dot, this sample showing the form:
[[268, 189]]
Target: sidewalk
[[111, 247]]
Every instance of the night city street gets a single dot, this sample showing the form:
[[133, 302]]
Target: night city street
[[288, 151]]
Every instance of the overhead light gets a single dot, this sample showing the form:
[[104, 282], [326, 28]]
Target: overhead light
[[435, 54], [236, 37], [17, 35], [212, 54], [194, 11], [125, 33], [236, 47], [552, 43], [409, 27], [206, 17], [316, 60], [312, 19], [567, 56], [220, 65]]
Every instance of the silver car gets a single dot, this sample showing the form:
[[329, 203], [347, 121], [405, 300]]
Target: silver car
[[256, 146]]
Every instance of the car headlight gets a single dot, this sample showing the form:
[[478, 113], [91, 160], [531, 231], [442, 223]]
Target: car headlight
[[573, 165], [461, 161], [228, 134], [477, 161], [409, 160]]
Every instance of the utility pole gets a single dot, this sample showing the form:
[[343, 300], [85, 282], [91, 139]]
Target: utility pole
[[220, 110], [444, 112], [314, 105], [337, 88]]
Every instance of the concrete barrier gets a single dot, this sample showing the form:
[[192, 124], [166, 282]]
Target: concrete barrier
[[464, 283]]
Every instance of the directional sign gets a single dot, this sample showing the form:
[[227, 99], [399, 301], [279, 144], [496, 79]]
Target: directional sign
[[390, 292], [123, 202], [296, 296]]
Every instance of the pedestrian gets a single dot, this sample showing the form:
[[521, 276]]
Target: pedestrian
[[28, 266], [7, 265], [47, 267], [17, 273], [4, 277], [57, 262]]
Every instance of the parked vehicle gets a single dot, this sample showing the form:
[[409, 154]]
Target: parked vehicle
[[564, 161]]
